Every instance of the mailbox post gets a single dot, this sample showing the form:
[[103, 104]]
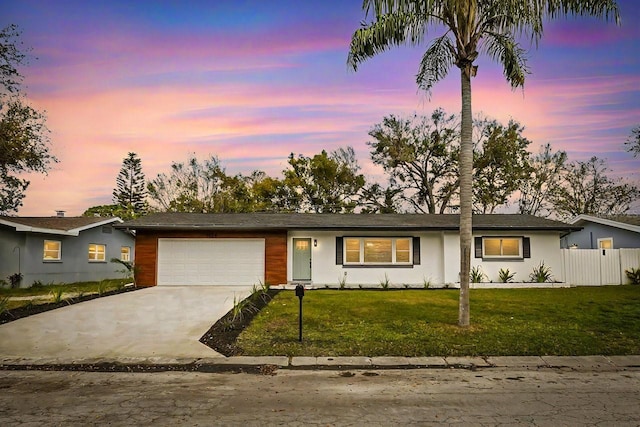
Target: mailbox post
[[300, 295]]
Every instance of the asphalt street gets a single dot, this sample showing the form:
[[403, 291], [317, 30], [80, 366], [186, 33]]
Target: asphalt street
[[485, 397]]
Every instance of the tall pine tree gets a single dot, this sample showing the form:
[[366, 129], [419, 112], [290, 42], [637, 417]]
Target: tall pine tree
[[131, 192]]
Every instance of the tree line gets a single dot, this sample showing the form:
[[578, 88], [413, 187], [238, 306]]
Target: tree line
[[419, 156]]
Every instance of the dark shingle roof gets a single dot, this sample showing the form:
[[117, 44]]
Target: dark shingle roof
[[56, 223], [292, 221], [625, 219]]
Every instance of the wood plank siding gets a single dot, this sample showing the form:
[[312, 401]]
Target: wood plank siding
[[147, 252]]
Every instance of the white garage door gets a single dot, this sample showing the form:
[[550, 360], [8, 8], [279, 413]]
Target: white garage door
[[210, 261]]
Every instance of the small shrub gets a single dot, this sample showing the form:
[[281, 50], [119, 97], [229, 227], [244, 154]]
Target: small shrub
[[37, 284], [342, 281], [240, 307], [505, 275], [476, 275], [103, 286], [4, 304], [541, 274], [384, 284], [633, 274], [56, 295], [3, 284], [15, 280], [426, 283], [260, 291]]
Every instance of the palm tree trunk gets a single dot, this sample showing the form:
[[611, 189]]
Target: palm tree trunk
[[466, 178]]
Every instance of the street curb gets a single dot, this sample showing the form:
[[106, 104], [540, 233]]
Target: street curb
[[269, 364]]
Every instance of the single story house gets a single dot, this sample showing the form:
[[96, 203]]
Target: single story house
[[604, 232], [62, 249], [324, 249]]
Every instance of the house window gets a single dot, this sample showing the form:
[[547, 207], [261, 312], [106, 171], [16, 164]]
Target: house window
[[125, 253], [605, 243], [52, 250], [377, 251], [97, 252], [502, 247]]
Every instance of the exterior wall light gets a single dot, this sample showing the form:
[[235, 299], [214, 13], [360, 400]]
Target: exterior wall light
[[315, 243]]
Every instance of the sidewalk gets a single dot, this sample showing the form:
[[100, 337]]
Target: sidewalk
[[271, 363]]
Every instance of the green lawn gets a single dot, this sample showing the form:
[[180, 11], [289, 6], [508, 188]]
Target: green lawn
[[570, 321], [44, 294]]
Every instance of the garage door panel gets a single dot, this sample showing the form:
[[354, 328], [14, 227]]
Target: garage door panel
[[210, 261]]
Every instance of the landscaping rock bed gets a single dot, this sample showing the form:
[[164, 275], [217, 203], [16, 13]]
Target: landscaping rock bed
[[222, 336]]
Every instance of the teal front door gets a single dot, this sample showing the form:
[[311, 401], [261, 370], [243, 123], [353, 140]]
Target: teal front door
[[301, 259]]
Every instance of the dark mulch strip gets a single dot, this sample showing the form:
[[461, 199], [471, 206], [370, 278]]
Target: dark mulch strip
[[222, 336], [29, 310]]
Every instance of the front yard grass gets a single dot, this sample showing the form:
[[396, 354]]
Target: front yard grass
[[568, 321]]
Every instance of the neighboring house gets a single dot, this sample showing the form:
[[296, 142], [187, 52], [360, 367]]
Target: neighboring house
[[323, 249], [62, 249], [604, 232]]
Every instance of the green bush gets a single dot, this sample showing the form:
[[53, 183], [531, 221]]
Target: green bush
[[505, 275], [541, 274], [476, 275], [633, 274]]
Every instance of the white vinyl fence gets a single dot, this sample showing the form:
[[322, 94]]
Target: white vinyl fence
[[595, 267]]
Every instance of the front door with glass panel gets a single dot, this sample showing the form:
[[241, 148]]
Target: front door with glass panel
[[301, 259]]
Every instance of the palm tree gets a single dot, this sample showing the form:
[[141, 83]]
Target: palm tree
[[470, 27]]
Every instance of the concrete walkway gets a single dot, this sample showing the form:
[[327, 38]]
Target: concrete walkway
[[158, 322]]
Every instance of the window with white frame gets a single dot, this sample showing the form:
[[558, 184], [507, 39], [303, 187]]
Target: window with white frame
[[125, 253], [377, 251], [97, 252], [502, 247], [605, 243], [52, 250]]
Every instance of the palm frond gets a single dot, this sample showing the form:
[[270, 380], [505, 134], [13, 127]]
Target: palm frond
[[436, 62], [504, 48], [388, 30]]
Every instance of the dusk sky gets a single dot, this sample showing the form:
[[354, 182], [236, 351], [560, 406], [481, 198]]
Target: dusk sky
[[252, 81]]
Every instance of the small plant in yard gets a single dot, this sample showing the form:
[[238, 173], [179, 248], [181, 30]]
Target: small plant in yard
[[4, 304], [3, 284], [37, 284], [260, 291], [426, 283], [103, 285], [633, 274], [541, 274], [15, 280], [342, 281], [384, 284], [240, 307], [505, 275], [129, 271], [476, 275], [56, 295]]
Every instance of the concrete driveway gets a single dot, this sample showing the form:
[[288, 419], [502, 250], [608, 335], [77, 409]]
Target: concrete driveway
[[163, 322]]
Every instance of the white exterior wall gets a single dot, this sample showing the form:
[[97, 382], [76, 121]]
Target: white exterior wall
[[324, 270], [544, 247], [439, 256]]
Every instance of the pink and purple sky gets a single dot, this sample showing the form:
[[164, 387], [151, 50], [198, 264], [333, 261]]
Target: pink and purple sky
[[252, 81]]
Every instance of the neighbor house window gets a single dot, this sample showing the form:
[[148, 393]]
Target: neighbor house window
[[606, 243], [97, 252], [125, 253], [52, 250], [502, 247], [377, 250]]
